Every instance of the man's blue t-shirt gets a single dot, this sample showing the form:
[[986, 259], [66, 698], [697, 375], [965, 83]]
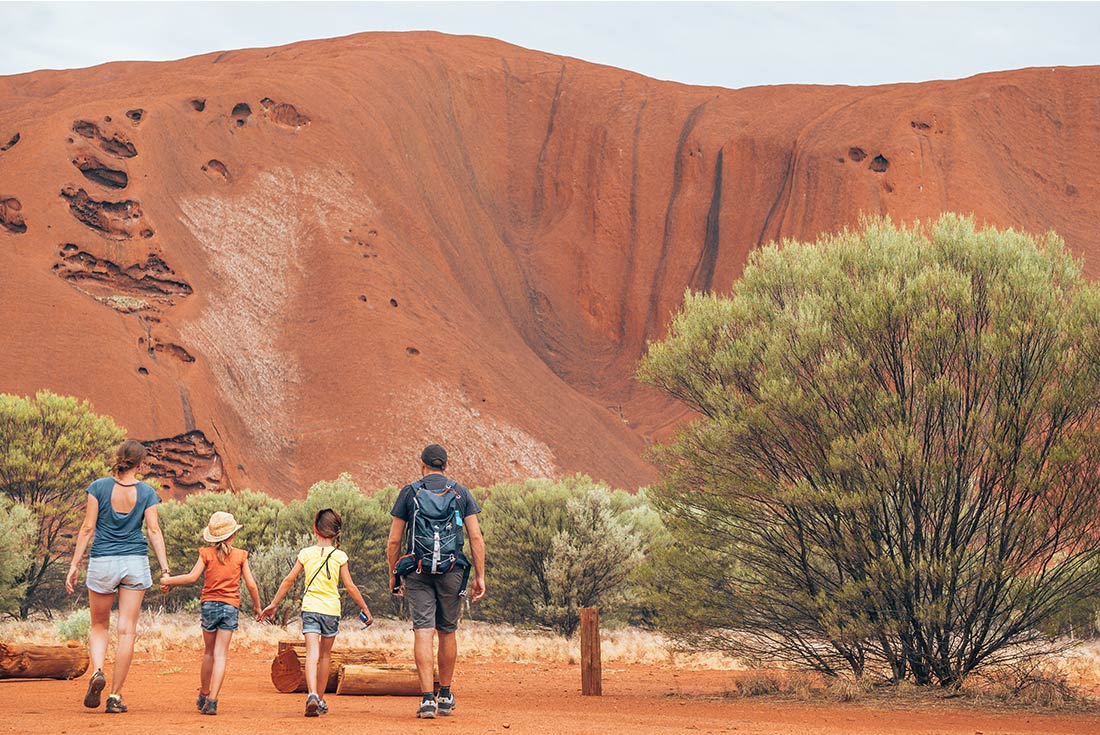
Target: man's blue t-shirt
[[119, 534], [467, 506]]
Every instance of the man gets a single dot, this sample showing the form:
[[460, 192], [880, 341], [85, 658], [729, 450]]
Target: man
[[431, 571]]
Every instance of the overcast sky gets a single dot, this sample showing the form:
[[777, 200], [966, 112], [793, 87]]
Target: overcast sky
[[725, 44]]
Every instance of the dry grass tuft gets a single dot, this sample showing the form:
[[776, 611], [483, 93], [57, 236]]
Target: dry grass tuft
[[160, 633]]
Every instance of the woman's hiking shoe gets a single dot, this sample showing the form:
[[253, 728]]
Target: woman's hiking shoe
[[322, 707], [115, 705], [95, 689], [210, 707], [446, 704], [201, 701], [313, 706], [427, 710]]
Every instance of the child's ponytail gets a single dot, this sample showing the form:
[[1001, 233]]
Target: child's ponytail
[[221, 548]]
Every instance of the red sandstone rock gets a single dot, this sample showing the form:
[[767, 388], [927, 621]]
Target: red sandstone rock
[[373, 242]]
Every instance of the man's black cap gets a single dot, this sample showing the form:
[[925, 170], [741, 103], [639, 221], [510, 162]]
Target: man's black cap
[[434, 456]]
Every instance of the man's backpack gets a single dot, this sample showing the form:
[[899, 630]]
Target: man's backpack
[[435, 531]]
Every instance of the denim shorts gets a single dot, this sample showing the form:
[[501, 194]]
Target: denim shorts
[[107, 573], [218, 616], [326, 625]]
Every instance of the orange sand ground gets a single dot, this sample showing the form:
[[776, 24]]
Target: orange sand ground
[[493, 697]]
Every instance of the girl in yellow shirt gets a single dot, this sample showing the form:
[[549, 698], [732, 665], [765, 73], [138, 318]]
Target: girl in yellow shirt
[[325, 566]]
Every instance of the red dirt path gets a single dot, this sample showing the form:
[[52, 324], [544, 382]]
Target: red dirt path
[[493, 697]]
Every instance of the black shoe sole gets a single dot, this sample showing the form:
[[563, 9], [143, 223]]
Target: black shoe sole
[[313, 710], [94, 695]]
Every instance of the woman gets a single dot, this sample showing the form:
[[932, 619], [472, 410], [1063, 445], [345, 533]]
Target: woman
[[119, 563]]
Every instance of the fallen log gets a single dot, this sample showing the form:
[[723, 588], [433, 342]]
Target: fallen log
[[379, 679], [24, 661], [288, 669]]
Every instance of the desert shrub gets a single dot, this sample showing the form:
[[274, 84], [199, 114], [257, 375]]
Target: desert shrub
[[51, 448], [896, 455], [75, 625], [18, 530], [760, 683], [553, 547], [183, 521], [366, 526], [1030, 683]]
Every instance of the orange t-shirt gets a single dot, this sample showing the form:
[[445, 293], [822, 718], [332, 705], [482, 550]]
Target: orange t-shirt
[[222, 580]]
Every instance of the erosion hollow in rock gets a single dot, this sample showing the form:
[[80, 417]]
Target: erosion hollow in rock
[[147, 285], [112, 220], [186, 463], [100, 173], [241, 113], [115, 144], [282, 113], [11, 218]]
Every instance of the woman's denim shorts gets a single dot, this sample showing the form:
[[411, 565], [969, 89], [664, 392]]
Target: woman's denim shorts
[[107, 573]]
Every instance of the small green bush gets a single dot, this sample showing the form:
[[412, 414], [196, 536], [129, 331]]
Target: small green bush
[[74, 627]]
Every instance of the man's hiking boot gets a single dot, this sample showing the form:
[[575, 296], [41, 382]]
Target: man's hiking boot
[[201, 701], [211, 707], [427, 710], [446, 704], [313, 706], [322, 707], [115, 705], [95, 689]]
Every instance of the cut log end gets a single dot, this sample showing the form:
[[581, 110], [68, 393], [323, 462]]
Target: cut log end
[[288, 667]]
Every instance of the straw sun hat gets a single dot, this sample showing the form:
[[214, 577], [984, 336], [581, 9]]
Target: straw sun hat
[[222, 525]]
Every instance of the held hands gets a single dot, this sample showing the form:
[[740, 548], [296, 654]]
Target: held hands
[[478, 589], [164, 586], [266, 613]]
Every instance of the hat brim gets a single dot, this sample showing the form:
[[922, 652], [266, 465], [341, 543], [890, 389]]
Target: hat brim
[[212, 539]]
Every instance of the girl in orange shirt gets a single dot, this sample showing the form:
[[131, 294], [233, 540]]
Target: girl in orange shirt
[[221, 566]]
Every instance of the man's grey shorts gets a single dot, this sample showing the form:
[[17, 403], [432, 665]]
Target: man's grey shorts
[[434, 600], [107, 573]]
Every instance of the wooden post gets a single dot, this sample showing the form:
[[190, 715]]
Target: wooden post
[[591, 664]]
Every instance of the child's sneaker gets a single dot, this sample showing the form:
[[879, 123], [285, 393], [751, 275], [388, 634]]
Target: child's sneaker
[[115, 705], [95, 689], [446, 703], [428, 709], [211, 707], [313, 706], [322, 707]]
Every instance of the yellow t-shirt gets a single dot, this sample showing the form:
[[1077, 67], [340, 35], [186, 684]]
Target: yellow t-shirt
[[321, 564]]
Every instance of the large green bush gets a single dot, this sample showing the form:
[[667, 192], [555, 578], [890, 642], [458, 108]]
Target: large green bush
[[895, 463], [555, 546], [18, 530], [51, 448]]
